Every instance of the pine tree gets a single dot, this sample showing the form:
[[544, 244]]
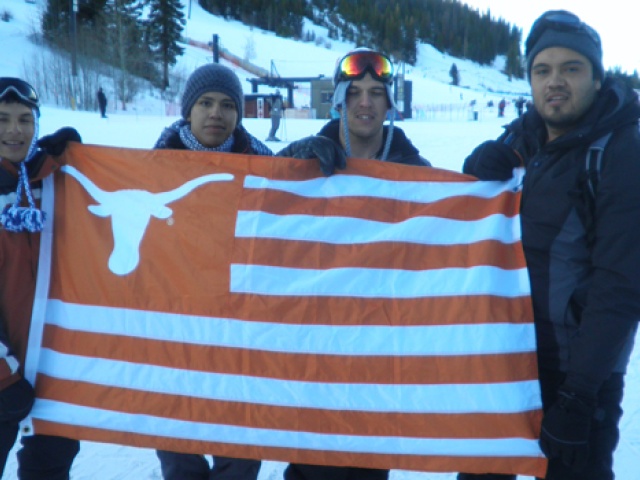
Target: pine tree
[[56, 23], [165, 25], [125, 47], [514, 66]]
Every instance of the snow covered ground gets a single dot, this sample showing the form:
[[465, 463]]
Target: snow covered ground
[[445, 143]]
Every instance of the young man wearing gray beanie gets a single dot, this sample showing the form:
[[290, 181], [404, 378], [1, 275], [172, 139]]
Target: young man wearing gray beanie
[[212, 111], [212, 108], [579, 239]]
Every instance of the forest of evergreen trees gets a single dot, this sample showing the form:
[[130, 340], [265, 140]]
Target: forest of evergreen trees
[[393, 27]]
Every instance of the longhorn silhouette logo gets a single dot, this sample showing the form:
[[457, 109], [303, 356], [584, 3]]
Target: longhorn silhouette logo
[[131, 211]]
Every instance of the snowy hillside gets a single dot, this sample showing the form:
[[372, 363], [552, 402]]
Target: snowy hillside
[[430, 76]]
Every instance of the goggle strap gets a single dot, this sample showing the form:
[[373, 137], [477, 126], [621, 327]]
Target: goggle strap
[[387, 145], [345, 131]]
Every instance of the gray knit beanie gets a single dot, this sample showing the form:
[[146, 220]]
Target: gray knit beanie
[[212, 77], [577, 36]]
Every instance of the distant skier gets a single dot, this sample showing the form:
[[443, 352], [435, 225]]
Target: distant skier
[[501, 107], [102, 103], [276, 114], [520, 106]]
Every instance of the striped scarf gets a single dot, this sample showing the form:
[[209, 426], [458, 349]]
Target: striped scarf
[[192, 143]]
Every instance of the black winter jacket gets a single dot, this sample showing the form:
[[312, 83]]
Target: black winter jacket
[[401, 151], [583, 255]]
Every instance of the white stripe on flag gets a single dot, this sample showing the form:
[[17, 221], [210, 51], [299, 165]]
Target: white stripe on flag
[[149, 425], [379, 283], [507, 397], [357, 186], [442, 340], [345, 230]]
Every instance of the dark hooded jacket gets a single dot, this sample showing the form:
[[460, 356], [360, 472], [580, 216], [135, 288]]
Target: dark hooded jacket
[[582, 252], [401, 150]]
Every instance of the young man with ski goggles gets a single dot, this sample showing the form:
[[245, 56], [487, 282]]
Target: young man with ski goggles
[[364, 99], [363, 95]]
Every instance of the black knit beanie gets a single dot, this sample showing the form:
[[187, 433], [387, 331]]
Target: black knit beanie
[[212, 77], [582, 39]]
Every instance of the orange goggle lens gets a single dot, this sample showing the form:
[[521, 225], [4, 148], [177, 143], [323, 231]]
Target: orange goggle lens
[[357, 64]]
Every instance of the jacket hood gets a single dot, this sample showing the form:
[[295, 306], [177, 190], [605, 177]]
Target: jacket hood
[[616, 106]]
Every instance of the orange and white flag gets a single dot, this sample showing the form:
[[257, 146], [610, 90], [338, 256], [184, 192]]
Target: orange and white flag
[[247, 306]]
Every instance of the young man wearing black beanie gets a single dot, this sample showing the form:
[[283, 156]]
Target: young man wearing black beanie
[[579, 239]]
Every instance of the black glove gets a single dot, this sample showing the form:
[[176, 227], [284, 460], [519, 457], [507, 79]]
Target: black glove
[[565, 429], [492, 160], [16, 401], [326, 151], [55, 143]]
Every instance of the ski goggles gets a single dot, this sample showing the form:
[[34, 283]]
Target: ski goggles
[[19, 88], [559, 21], [355, 65]]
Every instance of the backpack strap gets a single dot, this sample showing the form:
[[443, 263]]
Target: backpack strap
[[593, 163]]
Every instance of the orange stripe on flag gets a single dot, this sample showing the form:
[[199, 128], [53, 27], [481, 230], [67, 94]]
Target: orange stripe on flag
[[347, 311], [380, 209], [403, 256]]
